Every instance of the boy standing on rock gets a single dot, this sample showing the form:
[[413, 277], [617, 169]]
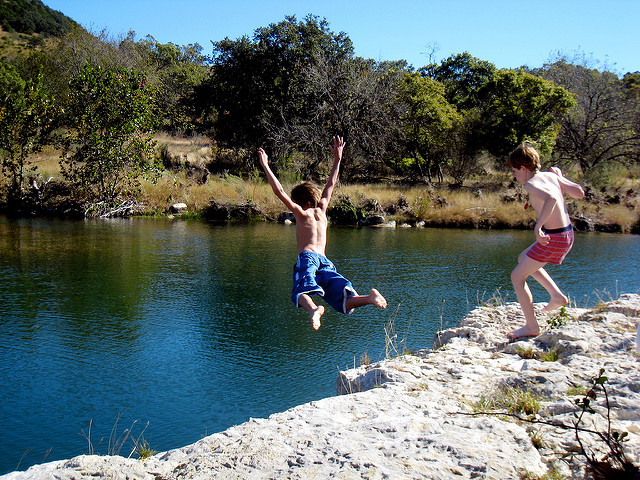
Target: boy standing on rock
[[553, 230], [314, 273]]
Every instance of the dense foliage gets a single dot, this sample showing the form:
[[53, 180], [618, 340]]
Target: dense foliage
[[26, 119], [289, 88], [33, 16], [108, 143]]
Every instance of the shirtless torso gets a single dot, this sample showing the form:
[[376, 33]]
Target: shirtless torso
[[311, 230], [546, 197]]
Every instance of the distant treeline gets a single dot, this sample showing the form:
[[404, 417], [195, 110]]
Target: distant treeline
[[290, 87]]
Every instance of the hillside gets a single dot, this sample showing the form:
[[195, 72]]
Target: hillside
[[33, 17], [25, 24]]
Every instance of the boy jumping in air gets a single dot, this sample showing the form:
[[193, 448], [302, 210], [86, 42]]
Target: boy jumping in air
[[314, 273], [553, 230]]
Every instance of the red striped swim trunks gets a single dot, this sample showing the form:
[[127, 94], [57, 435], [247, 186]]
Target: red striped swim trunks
[[560, 242]]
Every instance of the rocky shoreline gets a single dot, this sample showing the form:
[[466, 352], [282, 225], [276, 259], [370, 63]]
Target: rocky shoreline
[[433, 415]]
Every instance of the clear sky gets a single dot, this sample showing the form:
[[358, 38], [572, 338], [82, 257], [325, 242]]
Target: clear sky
[[508, 33]]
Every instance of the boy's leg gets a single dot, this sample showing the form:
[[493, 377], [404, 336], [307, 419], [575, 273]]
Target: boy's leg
[[527, 266], [315, 311], [558, 299], [374, 298]]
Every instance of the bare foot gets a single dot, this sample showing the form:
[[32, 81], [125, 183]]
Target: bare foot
[[523, 332], [316, 316], [377, 299], [554, 303]]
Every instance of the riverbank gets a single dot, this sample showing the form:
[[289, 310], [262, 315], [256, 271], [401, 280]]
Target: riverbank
[[435, 414], [187, 188]]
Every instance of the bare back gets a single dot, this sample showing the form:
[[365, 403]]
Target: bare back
[[543, 186], [311, 230]]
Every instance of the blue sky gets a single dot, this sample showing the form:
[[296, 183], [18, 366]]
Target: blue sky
[[508, 33]]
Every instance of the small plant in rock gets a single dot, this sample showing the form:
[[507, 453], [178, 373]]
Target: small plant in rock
[[560, 319], [513, 400], [527, 353], [419, 387], [614, 464], [365, 359], [143, 449], [552, 475], [393, 346], [497, 299], [537, 438], [551, 355], [577, 390]]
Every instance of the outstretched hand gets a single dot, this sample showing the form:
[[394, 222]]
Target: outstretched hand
[[337, 146], [264, 159]]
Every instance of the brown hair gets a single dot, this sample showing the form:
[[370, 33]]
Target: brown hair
[[524, 156], [306, 194]]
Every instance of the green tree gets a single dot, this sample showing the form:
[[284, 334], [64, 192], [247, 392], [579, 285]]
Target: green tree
[[175, 72], [109, 140], [26, 120], [258, 82], [517, 106], [462, 75], [632, 84], [67, 56], [428, 120]]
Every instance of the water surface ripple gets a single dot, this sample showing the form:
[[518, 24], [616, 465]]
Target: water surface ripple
[[109, 325]]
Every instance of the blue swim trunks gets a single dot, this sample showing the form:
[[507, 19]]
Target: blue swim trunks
[[315, 274]]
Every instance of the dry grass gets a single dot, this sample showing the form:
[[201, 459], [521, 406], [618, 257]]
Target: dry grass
[[481, 204], [615, 215], [47, 162], [445, 206], [175, 187]]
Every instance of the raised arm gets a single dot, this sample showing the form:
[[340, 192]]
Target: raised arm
[[276, 186], [336, 148], [570, 188]]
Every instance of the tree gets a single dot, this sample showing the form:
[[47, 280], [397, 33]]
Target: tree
[[604, 126], [354, 98], [108, 144], [26, 120], [427, 120], [632, 84], [258, 82], [517, 106], [175, 72], [33, 16], [462, 76]]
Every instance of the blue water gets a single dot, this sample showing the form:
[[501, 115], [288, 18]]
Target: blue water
[[174, 330]]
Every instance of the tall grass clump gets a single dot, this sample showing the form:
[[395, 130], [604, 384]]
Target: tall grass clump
[[510, 399]]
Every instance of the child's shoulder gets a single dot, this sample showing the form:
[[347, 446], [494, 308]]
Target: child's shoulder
[[545, 181], [544, 177]]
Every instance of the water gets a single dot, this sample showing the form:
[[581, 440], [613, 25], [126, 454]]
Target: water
[[177, 330]]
